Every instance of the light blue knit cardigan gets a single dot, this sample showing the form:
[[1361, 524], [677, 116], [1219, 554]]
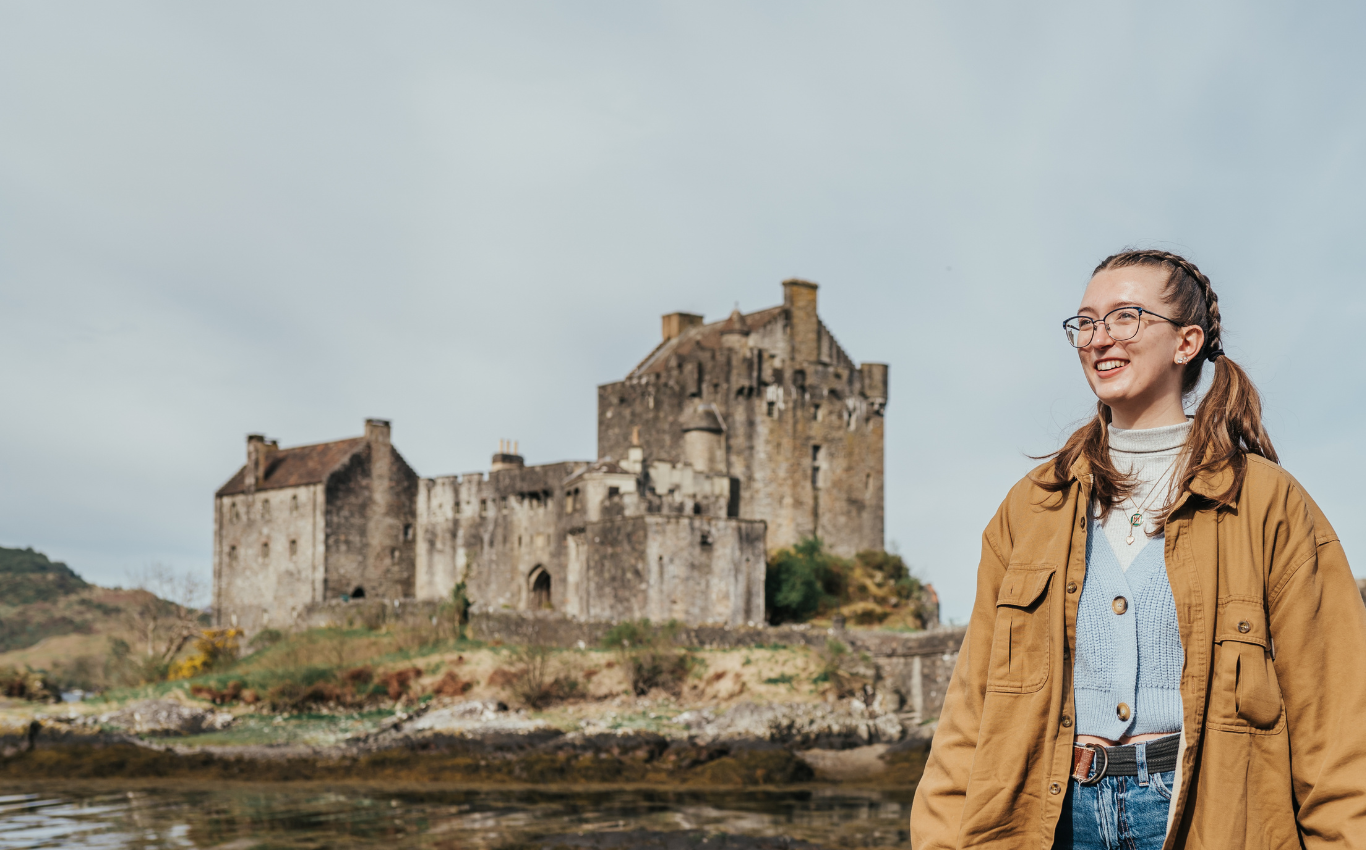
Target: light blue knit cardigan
[[1133, 658]]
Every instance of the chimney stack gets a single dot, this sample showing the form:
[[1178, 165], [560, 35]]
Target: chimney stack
[[377, 431], [260, 452], [507, 456], [676, 323], [799, 297]]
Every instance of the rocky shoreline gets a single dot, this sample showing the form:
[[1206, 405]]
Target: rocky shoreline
[[482, 741]]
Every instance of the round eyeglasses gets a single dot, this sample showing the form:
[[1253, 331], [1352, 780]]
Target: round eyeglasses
[[1121, 324]]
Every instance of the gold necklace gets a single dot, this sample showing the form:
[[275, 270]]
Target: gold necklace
[[1136, 519]]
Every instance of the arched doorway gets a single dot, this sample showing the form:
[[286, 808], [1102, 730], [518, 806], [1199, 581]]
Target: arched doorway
[[540, 589], [358, 593]]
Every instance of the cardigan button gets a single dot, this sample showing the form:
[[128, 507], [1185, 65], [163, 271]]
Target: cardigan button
[[1244, 627], [1122, 711], [1071, 587], [1055, 789], [1066, 720], [1120, 605]]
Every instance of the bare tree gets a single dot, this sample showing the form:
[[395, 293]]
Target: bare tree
[[167, 617]]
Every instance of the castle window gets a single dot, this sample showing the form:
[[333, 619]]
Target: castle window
[[815, 466], [697, 508], [613, 491], [483, 507], [408, 531], [393, 556], [799, 377], [265, 549], [772, 410], [234, 515], [293, 548], [568, 502], [815, 413], [232, 555], [706, 538], [265, 509], [358, 592]]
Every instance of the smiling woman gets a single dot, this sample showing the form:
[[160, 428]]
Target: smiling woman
[[1155, 674]]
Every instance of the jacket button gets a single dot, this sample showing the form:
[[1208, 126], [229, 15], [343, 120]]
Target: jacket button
[[1120, 605], [1081, 523], [1066, 720], [1071, 587], [1054, 788], [1122, 711], [1244, 627]]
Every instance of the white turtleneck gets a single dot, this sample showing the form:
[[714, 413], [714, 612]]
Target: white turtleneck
[[1150, 455]]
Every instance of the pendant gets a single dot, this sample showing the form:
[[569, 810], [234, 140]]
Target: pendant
[[1134, 522]]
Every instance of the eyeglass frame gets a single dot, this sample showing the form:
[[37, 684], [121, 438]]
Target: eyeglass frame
[[1102, 321]]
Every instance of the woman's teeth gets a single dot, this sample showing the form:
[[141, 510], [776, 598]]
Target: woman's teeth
[[1107, 365]]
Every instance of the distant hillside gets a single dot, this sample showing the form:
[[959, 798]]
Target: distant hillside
[[28, 576], [41, 598]]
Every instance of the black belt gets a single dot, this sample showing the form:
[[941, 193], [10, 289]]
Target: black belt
[[1123, 761]]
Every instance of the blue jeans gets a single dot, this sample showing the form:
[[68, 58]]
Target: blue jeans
[[1117, 813]]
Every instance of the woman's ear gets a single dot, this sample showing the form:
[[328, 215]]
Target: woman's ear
[[1190, 342]]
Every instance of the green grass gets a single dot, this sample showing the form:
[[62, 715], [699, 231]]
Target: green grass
[[785, 679]]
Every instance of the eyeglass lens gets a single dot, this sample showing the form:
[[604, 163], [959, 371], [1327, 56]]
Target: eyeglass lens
[[1121, 325]]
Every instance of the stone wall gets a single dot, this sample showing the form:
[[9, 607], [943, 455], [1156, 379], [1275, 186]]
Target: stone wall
[[268, 555], [693, 569]]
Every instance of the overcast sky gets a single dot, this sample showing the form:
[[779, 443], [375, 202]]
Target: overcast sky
[[218, 219]]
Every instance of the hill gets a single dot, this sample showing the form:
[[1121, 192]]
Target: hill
[[52, 619]]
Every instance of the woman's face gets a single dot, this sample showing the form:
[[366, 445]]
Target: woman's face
[[1139, 378]]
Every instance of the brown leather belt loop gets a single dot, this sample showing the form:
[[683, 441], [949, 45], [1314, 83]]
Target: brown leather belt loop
[[1083, 756]]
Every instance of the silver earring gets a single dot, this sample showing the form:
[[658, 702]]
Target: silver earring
[[1181, 359]]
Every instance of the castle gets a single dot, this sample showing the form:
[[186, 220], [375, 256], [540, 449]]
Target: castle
[[727, 440]]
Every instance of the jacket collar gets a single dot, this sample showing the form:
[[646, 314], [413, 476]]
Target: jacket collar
[[1210, 483]]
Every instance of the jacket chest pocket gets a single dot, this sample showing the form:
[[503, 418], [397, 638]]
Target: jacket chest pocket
[[1019, 644], [1245, 694]]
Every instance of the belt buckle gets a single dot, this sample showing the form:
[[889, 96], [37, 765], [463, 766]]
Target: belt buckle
[[1100, 774]]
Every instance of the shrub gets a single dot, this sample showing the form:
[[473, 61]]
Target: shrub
[[265, 639], [802, 581], [396, 683], [648, 656], [535, 682], [231, 693], [213, 648], [451, 685]]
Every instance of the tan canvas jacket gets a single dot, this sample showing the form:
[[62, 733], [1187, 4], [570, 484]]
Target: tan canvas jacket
[[1273, 687]]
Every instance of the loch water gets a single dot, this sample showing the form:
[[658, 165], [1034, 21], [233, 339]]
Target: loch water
[[303, 816]]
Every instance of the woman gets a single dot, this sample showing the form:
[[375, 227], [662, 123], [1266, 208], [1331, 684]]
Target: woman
[[1167, 647]]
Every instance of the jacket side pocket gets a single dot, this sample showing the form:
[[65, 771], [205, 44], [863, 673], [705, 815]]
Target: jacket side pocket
[[1020, 641], [1246, 694]]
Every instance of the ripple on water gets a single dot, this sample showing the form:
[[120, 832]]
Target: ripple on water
[[302, 817]]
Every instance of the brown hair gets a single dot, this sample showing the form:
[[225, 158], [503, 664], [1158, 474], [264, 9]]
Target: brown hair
[[1228, 421]]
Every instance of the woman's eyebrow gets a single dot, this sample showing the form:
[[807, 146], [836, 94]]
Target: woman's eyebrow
[[1091, 311]]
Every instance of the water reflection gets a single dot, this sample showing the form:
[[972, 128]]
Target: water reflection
[[239, 817]]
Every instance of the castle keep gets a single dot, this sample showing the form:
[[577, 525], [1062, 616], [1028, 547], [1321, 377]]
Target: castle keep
[[728, 439]]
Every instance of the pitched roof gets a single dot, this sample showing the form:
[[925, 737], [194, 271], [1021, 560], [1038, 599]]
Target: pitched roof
[[704, 336], [297, 466]]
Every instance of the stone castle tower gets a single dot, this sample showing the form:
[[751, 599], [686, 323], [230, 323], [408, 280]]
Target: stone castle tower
[[772, 401]]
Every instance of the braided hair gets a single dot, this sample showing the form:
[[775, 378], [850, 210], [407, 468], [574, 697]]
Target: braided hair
[[1228, 420]]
